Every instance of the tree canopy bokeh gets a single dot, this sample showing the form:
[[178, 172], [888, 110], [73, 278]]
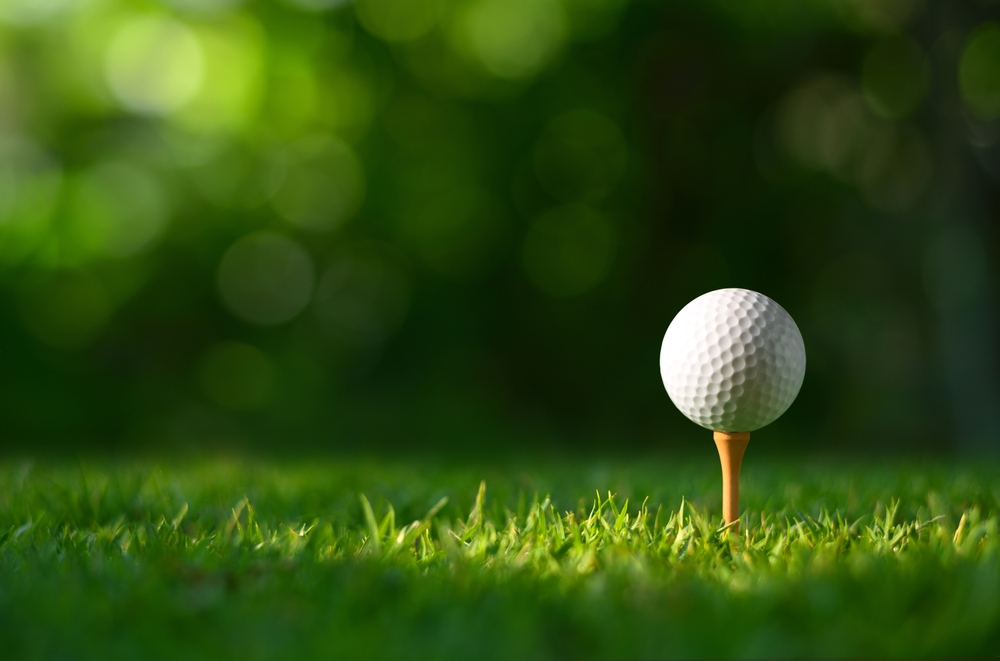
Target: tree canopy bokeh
[[436, 224]]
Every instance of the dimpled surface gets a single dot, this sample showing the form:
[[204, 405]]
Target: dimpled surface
[[732, 360]]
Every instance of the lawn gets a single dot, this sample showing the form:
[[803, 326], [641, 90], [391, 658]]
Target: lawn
[[247, 559]]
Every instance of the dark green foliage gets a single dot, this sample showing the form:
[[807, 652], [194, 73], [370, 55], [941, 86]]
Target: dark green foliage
[[341, 223]]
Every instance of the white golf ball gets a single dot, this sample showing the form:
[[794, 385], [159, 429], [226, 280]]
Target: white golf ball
[[732, 360]]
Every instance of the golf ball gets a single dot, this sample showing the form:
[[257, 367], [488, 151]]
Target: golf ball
[[732, 360]]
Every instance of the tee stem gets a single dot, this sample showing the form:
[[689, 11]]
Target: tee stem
[[731, 447]]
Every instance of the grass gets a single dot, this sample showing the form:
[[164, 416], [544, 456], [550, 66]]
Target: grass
[[221, 559]]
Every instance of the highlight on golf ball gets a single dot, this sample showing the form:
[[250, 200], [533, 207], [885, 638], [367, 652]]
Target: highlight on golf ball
[[732, 360]]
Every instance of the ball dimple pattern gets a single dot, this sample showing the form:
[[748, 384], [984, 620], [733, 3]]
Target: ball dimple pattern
[[732, 360]]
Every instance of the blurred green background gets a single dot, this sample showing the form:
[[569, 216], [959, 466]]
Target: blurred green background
[[463, 225]]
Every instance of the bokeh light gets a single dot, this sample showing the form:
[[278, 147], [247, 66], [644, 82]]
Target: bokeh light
[[242, 175], [315, 5], [266, 278], [512, 38], [116, 209], [31, 182], [396, 192], [324, 184], [398, 20], [569, 250], [979, 71], [348, 99], [825, 124], [154, 64], [205, 6], [232, 79], [879, 16], [236, 375], [27, 12]]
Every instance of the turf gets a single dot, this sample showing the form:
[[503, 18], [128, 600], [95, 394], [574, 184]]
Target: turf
[[238, 559]]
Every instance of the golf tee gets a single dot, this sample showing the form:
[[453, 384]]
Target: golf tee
[[731, 447]]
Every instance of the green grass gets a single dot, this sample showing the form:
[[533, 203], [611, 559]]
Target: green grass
[[221, 559]]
